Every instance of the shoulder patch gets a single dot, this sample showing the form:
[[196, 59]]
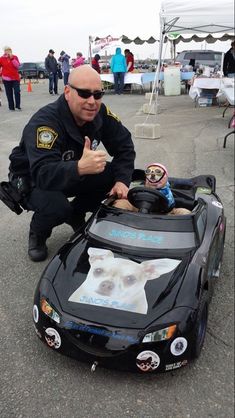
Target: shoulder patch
[[110, 113], [46, 137]]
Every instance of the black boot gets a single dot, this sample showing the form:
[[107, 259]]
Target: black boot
[[37, 247]]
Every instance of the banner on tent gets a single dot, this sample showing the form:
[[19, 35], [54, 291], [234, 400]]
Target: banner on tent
[[98, 44]]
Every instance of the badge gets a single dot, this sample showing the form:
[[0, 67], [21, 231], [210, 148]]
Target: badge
[[46, 137], [178, 346], [94, 144], [68, 155], [147, 361], [110, 113], [52, 338]]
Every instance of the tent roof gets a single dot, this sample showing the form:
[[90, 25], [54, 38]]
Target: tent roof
[[210, 39], [202, 16]]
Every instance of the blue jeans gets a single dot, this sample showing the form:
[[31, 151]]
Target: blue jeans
[[12, 86], [118, 82], [53, 83], [66, 77], [231, 75]]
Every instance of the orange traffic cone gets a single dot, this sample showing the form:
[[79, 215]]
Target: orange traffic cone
[[29, 87]]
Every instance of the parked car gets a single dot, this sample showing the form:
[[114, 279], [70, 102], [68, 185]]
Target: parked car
[[207, 58], [32, 70]]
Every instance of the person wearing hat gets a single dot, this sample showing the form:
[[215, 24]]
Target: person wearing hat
[[9, 65], [64, 59], [229, 62], [52, 69]]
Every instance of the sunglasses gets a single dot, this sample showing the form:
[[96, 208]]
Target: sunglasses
[[85, 94], [156, 171]]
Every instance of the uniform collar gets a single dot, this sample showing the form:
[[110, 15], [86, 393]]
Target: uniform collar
[[69, 123]]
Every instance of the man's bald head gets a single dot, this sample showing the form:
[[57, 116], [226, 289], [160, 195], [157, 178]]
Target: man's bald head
[[84, 109], [84, 76]]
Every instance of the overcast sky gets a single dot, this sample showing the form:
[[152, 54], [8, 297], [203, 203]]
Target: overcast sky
[[32, 27]]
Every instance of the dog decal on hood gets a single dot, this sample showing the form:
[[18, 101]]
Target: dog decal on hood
[[119, 283]]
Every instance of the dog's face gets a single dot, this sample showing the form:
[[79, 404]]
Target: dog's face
[[156, 176], [113, 277], [119, 282]]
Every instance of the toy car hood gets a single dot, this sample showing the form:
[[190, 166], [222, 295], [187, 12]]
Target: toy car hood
[[117, 290]]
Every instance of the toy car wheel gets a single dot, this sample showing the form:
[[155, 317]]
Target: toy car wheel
[[147, 199], [41, 75], [200, 327]]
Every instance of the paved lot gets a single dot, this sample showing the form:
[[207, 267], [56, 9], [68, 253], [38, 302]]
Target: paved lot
[[37, 382]]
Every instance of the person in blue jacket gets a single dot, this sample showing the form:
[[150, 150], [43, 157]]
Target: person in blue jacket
[[118, 68], [64, 60]]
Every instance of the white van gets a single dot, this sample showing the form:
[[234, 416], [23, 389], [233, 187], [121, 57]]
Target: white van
[[207, 58]]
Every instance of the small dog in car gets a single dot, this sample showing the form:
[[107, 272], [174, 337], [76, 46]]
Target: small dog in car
[[156, 176]]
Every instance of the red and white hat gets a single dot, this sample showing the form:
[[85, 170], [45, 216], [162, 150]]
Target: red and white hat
[[156, 175]]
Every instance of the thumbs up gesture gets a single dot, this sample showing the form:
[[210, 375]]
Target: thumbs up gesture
[[91, 162]]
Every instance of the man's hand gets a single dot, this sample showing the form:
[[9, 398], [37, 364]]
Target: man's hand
[[120, 190], [91, 162]]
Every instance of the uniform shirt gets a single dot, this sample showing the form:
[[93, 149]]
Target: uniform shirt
[[52, 131]]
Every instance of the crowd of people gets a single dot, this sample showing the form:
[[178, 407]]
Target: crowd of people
[[9, 65]]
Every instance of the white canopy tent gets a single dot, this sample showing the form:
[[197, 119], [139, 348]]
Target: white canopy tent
[[202, 17]]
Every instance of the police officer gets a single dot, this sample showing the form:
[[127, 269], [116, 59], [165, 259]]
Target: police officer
[[58, 153]]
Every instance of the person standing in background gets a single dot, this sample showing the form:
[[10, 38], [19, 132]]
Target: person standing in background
[[95, 63], [9, 65], [130, 66], [129, 60], [64, 59], [118, 68], [79, 60], [229, 62], [52, 68]]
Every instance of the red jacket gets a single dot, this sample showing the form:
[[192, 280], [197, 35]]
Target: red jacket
[[10, 67], [95, 64], [130, 59]]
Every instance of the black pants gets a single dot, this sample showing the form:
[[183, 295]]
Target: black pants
[[11, 87], [52, 208]]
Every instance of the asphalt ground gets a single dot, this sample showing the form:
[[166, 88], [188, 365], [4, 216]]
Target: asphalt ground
[[38, 382]]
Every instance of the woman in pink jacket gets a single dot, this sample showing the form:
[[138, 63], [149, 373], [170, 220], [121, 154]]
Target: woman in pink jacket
[[9, 65], [79, 60]]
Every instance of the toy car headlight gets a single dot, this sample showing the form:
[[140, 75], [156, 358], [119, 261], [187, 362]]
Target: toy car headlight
[[160, 335], [49, 311]]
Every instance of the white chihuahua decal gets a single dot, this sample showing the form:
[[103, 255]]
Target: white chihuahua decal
[[119, 283]]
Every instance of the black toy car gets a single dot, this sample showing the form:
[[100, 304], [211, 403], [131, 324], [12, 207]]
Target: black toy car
[[131, 290]]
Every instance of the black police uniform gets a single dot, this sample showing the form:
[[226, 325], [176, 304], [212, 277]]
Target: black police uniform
[[50, 147]]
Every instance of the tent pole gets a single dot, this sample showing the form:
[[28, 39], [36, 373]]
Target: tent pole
[[90, 41], [156, 78]]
